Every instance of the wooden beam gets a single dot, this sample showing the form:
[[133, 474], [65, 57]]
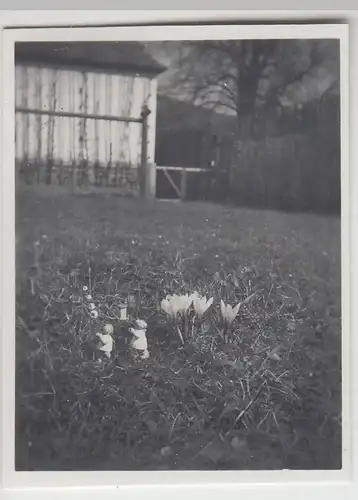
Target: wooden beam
[[144, 151], [172, 183], [66, 114], [187, 169]]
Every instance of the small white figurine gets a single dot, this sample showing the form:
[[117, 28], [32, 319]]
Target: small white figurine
[[139, 341], [107, 342]]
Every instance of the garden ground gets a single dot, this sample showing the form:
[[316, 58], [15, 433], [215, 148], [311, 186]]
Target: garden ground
[[268, 399]]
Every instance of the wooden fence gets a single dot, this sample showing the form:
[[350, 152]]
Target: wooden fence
[[295, 172], [299, 172]]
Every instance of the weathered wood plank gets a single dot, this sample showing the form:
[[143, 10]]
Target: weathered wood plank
[[172, 183], [86, 116], [188, 169], [183, 183]]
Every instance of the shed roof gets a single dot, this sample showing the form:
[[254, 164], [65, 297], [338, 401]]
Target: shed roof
[[114, 56]]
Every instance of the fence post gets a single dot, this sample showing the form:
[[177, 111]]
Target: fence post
[[144, 150], [150, 181], [183, 183], [74, 176]]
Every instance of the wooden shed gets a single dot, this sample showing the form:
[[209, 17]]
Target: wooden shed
[[85, 112]]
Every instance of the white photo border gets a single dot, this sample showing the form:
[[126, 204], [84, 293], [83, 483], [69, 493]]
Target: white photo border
[[270, 483]]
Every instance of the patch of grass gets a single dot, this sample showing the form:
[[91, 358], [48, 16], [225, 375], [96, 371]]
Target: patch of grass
[[270, 398]]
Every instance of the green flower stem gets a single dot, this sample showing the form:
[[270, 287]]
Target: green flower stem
[[180, 335], [193, 328], [226, 331], [186, 327]]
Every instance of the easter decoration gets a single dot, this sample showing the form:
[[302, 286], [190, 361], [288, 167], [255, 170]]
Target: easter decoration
[[139, 341]]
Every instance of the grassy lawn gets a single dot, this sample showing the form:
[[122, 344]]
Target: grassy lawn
[[268, 399]]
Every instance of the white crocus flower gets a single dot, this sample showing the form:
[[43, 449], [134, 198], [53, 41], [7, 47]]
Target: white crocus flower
[[201, 305], [228, 312], [85, 288], [178, 304], [107, 344], [94, 314], [169, 306], [194, 296], [183, 302], [174, 304], [89, 297], [92, 306]]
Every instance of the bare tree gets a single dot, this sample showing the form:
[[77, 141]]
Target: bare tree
[[244, 77], [223, 74]]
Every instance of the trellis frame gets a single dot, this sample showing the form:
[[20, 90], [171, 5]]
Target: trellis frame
[[143, 120]]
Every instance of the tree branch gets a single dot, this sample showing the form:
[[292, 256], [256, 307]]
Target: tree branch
[[216, 104]]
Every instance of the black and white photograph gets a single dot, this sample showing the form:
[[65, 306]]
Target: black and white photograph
[[178, 254]]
